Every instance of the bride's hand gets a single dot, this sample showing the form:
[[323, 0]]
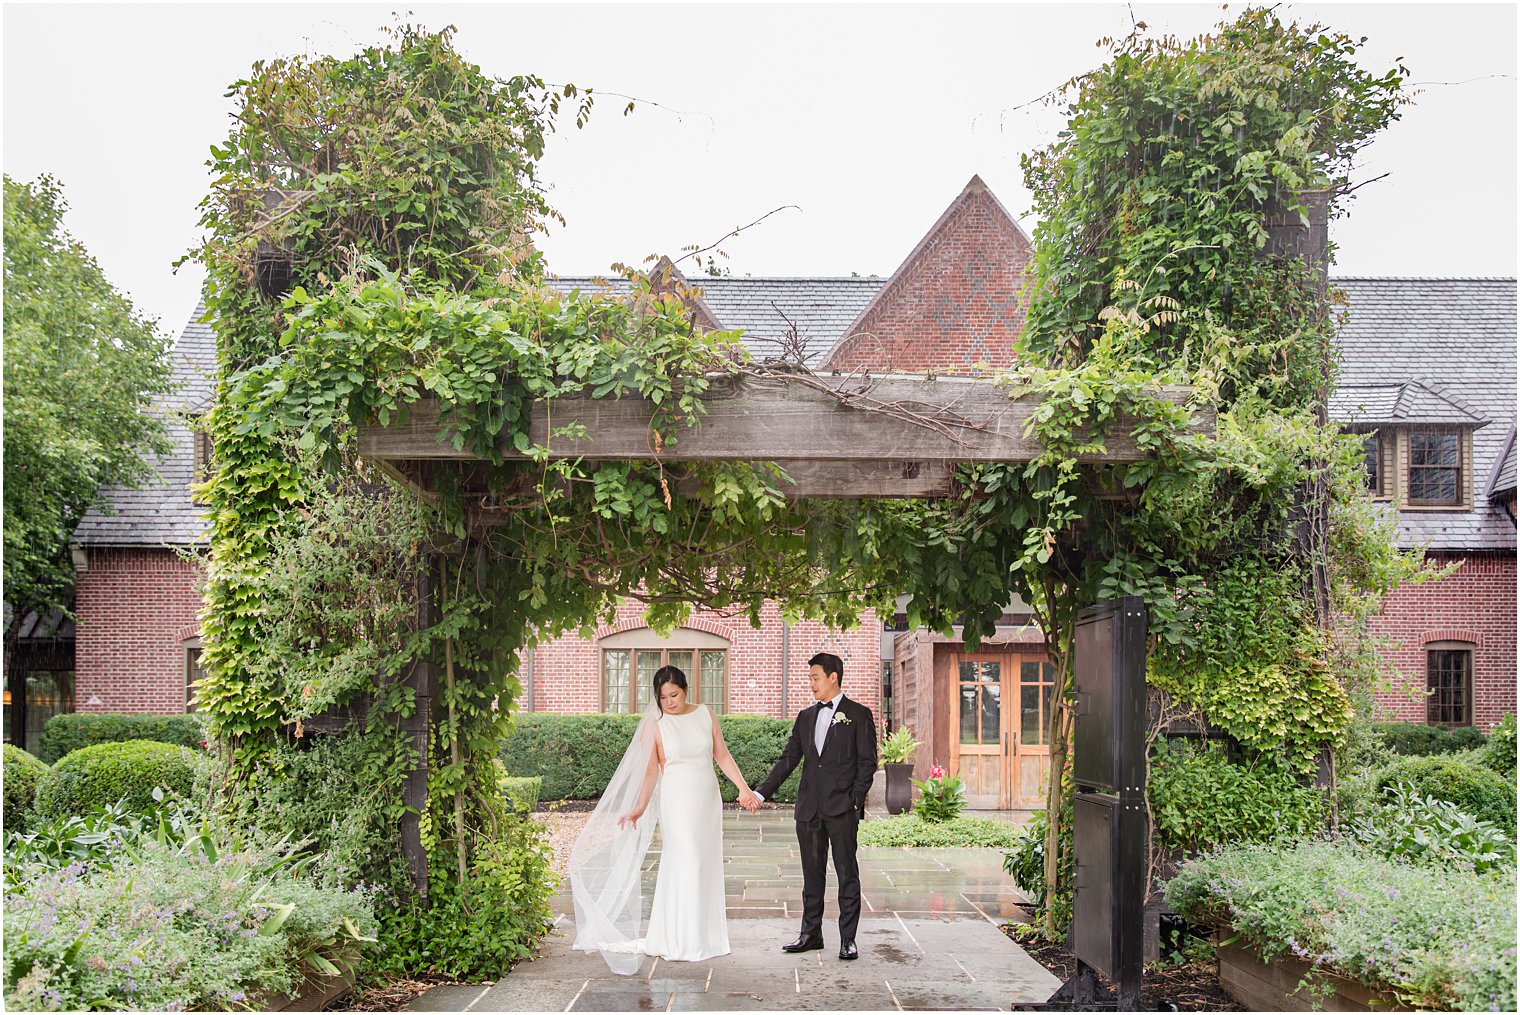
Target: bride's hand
[[631, 818]]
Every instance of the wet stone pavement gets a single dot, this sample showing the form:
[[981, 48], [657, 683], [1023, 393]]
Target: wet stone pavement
[[928, 939]]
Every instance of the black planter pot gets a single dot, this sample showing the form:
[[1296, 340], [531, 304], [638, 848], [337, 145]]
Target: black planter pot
[[899, 787]]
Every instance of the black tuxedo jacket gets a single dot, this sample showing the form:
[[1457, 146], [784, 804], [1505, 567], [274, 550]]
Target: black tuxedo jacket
[[836, 781]]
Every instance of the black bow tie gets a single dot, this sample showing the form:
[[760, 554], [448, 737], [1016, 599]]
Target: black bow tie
[[825, 704]]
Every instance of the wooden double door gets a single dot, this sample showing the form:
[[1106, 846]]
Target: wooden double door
[[999, 721]]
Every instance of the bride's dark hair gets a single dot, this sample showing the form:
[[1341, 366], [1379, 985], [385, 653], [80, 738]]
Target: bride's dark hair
[[667, 675]]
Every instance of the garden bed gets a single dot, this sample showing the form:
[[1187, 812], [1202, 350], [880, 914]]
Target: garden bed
[[1275, 985], [1192, 987]]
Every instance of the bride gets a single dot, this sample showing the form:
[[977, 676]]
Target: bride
[[668, 768]]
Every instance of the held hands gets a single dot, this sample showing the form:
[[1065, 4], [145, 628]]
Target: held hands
[[749, 801]]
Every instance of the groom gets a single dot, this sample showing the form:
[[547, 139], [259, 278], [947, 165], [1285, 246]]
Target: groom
[[836, 742]]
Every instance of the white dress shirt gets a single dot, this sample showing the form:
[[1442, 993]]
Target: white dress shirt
[[821, 723]]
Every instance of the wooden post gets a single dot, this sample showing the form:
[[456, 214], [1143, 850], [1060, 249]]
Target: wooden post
[[1307, 237], [415, 790]]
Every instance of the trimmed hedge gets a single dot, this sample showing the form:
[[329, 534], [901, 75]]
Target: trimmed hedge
[[23, 773], [73, 730], [912, 830], [575, 755], [1410, 739], [1459, 779], [522, 791], [98, 776]]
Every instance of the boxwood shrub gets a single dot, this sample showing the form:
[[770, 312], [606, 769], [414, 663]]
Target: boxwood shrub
[[101, 775], [522, 791], [1410, 739], [575, 755], [23, 773], [1461, 779], [73, 730]]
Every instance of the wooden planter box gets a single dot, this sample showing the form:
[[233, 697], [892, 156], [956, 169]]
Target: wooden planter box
[[1273, 986], [316, 993]]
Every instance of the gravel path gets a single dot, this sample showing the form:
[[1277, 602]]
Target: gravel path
[[563, 827]]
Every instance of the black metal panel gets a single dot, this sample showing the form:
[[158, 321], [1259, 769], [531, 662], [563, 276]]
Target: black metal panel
[[1094, 827], [1108, 752], [1108, 674], [1094, 742]]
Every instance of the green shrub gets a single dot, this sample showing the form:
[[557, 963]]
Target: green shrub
[[478, 929], [22, 773], [1467, 738], [306, 791], [1499, 753], [1411, 739], [911, 830], [1481, 792], [73, 730], [100, 776], [1025, 861], [575, 755], [1430, 831], [1444, 939], [522, 791], [1200, 798]]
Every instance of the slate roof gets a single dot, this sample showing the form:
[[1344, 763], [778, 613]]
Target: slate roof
[[1501, 482], [1448, 345], [769, 309], [161, 513], [1412, 350], [1412, 402]]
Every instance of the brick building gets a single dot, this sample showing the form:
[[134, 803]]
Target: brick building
[[1428, 372]]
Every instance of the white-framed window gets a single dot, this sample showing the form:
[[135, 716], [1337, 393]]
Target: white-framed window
[[1435, 468], [630, 659]]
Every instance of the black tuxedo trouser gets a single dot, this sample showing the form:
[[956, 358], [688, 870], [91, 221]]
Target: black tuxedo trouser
[[815, 838]]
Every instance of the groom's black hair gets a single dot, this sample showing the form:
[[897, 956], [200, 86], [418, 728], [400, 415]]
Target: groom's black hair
[[830, 663]]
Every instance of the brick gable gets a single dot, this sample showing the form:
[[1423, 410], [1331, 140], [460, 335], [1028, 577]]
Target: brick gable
[[957, 302]]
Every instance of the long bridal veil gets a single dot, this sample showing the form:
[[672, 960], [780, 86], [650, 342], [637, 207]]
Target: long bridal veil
[[606, 861]]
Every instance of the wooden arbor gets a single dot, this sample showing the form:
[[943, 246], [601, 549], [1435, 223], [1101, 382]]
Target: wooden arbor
[[842, 437], [849, 437]]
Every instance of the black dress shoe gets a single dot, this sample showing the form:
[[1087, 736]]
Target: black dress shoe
[[848, 951], [805, 944]]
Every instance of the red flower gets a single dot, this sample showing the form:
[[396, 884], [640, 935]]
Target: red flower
[[938, 771]]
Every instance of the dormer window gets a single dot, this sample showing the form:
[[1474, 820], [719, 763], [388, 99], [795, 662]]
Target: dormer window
[[1435, 468], [1377, 450]]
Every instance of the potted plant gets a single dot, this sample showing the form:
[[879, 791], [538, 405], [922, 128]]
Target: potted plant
[[897, 753]]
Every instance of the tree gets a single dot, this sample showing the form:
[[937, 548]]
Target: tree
[[81, 368]]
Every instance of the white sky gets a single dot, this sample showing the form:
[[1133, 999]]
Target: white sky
[[870, 118]]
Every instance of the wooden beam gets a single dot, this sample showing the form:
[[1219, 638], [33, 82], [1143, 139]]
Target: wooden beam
[[856, 480], [774, 419]]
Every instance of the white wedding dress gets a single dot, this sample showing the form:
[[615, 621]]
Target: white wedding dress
[[687, 921]]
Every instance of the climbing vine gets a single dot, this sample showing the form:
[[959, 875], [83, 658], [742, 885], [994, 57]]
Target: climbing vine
[[370, 249], [1156, 204], [370, 252]]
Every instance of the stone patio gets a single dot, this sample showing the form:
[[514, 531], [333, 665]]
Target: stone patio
[[928, 937]]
